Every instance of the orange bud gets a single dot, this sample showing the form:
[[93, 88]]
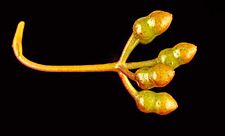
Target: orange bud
[[184, 51], [163, 75], [165, 103], [161, 20], [157, 76]]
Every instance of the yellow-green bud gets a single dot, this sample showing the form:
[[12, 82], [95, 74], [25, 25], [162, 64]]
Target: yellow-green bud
[[148, 27], [180, 54], [157, 76], [160, 103]]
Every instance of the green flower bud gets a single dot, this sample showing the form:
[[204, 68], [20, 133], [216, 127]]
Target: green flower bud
[[180, 54], [157, 76], [147, 28], [160, 103]]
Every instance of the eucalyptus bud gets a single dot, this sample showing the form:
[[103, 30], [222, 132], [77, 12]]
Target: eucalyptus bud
[[180, 54], [160, 103], [157, 76], [148, 27]]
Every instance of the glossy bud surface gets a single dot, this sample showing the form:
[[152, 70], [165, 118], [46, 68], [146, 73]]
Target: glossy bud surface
[[157, 76], [160, 103], [147, 28]]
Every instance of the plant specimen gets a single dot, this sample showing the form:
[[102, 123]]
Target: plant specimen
[[152, 73]]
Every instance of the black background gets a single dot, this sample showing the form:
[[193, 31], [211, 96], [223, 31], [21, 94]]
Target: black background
[[90, 32]]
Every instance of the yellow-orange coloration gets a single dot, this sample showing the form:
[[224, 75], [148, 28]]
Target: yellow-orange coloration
[[161, 19], [164, 75], [108, 67], [165, 104], [180, 54], [186, 51], [151, 73], [160, 103], [145, 29], [157, 76]]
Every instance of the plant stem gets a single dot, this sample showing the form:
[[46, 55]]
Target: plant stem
[[108, 67], [130, 45], [127, 72], [131, 90], [140, 64]]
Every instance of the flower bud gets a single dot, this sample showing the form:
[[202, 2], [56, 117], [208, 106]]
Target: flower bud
[[160, 103], [180, 54], [147, 28], [157, 76]]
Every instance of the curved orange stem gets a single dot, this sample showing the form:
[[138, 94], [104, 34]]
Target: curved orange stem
[[108, 67]]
